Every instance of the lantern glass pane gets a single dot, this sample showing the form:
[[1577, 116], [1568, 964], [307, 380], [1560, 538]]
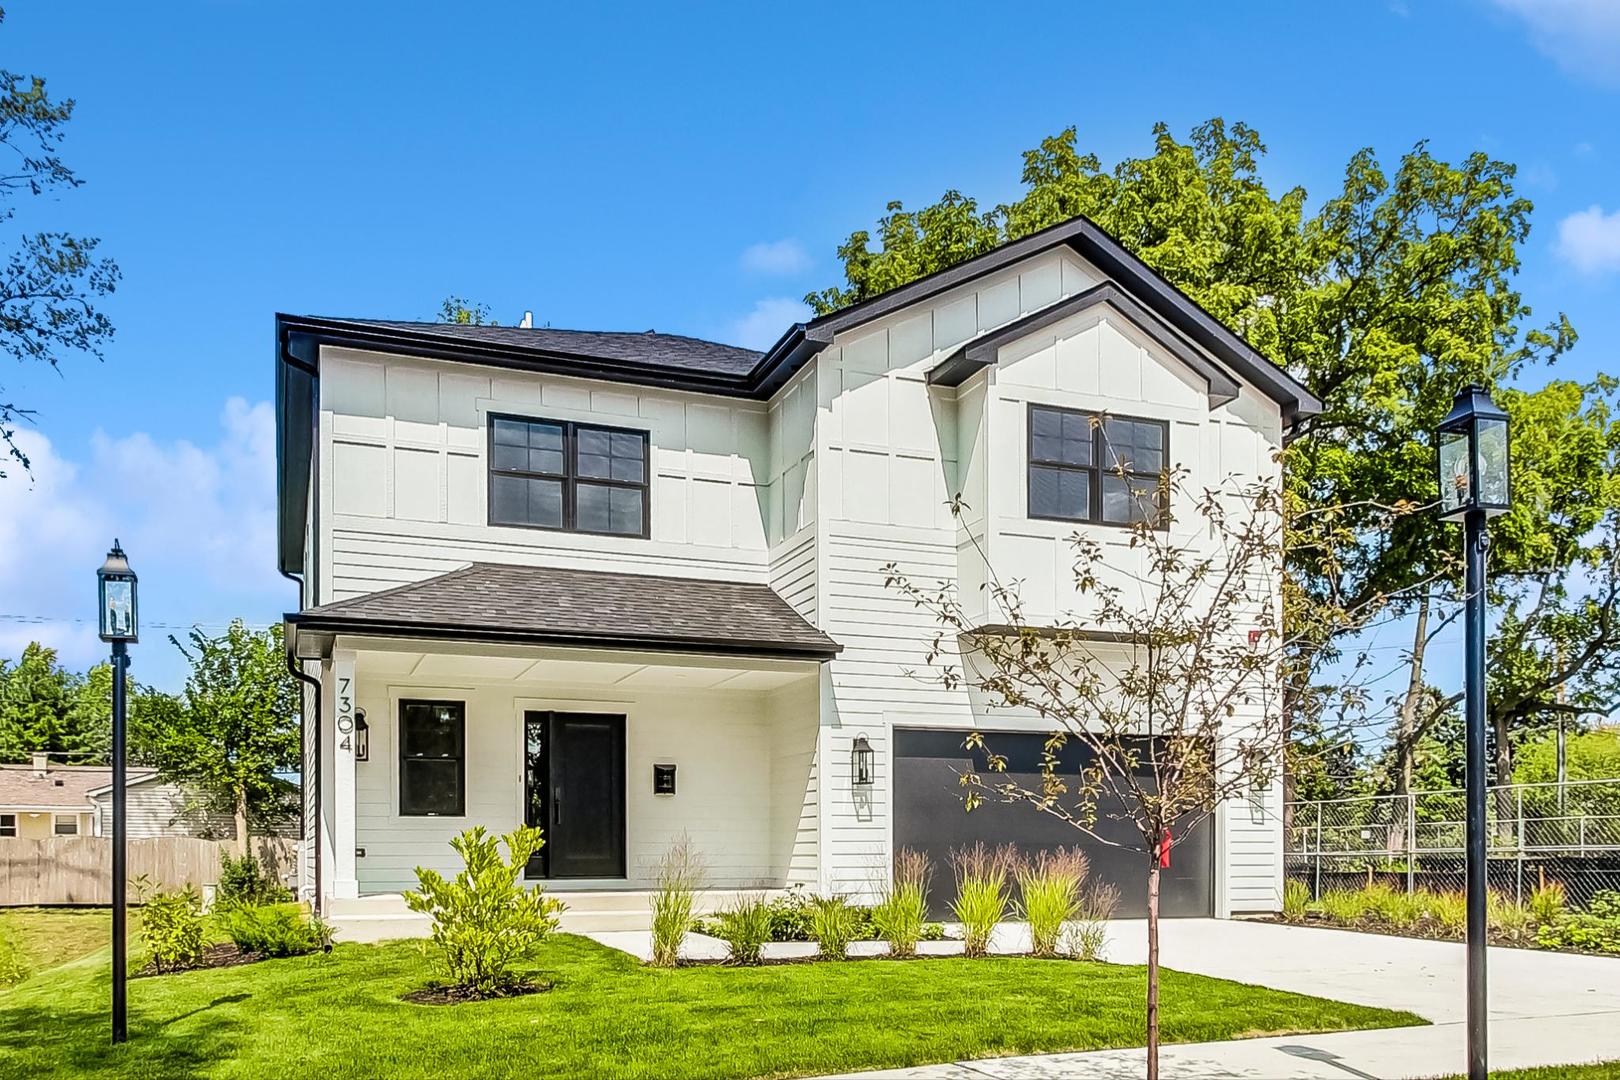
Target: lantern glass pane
[[118, 608], [1454, 471], [1493, 462]]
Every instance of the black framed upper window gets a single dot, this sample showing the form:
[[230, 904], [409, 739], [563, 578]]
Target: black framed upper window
[[555, 474], [433, 758], [8, 824], [1087, 467]]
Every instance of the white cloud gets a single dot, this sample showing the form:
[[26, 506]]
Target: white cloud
[[198, 522], [777, 257], [768, 321], [1591, 240], [1581, 36]]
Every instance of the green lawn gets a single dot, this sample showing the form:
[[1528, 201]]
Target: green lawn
[[339, 1016], [42, 938], [1608, 1070]]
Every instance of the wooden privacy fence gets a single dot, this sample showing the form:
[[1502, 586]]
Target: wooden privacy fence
[[78, 869]]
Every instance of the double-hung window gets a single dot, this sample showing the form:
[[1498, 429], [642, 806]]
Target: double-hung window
[[65, 824], [432, 758], [8, 824], [1088, 467], [554, 474]]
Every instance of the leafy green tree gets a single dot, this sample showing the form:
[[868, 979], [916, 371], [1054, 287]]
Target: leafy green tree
[[49, 281], [35, 694], [1588, 755], [235, 728], [464, 312]]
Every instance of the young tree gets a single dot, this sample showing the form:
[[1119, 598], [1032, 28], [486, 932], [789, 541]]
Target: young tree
[[236, 727], [1169, 676], [463, 312], [48, 280]]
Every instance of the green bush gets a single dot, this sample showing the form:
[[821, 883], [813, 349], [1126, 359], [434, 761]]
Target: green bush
[[484, 921], [679, 876], [12, 968], [902, 914], [1595, 930], [1296, 901], [1509, 919], [274, 929], [172, 924], [1448, 910], [791, 915], [745, 927], [981, 893], [835, 924], [1342, 905], [933, 932], [242, 881], [1050, 886], [1547, 902]]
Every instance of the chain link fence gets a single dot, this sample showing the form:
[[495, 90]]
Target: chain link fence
[[1566, 833]]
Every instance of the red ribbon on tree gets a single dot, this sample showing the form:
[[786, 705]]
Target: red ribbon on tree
[[1164, 850]]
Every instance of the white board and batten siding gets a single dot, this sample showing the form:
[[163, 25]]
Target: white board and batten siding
[[891, 451]]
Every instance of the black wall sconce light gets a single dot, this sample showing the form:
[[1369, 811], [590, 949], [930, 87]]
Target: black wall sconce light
[[862, 762], [362, 736], [663, 779]]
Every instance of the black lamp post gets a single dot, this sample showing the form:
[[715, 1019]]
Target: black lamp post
[[119, 627], [1474, 486]]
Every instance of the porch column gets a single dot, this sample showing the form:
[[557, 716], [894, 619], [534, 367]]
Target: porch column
[[337, 765]]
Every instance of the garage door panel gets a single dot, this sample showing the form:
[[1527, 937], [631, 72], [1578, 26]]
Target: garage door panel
[[929, 817]]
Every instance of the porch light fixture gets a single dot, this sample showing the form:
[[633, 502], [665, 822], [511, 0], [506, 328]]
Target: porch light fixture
[[1473, 442], [117, 589], [362, 736], [861, 762]]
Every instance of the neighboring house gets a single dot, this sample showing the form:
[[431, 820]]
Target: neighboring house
[[44, 799], [627, 586]]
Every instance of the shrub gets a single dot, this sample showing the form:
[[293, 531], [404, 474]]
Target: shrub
[[242, 881], [1547, 902], [1296, 901], [1595, 930], [1396, 908], [835, 924], [1511, 920], [484, 921], [274, 930], [1449, 911], [1605, 904], [791, 915], [679, 875], [981, 893], [1050, 886], [745, 927], [899, 918], [933, 931], [1085, 938], [172, 924], [1341, 905]]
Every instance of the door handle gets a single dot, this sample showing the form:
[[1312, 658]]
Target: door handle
[[556, 807]]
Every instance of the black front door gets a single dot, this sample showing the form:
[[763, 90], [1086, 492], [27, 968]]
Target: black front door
[[574, 791]]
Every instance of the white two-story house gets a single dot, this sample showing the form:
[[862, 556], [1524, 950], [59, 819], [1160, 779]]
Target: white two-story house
[[628, 586]]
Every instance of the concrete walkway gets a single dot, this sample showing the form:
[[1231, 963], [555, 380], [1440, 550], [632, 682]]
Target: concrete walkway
[[1546, 1008]]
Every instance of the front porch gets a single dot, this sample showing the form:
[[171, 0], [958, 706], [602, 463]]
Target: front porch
[[616, 712]]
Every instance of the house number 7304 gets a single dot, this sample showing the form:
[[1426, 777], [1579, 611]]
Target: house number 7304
[[345, 714]]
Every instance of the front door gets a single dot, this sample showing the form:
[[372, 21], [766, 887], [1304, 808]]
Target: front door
[[574, 791]]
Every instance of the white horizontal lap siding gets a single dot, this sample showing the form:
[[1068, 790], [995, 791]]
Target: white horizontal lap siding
[[734, 754], [404, 480]]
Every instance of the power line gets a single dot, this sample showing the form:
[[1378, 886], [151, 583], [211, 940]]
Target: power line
[[43, 620]]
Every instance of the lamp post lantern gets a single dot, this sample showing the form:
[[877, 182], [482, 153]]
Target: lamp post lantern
[[116, 590], [1474, 486]]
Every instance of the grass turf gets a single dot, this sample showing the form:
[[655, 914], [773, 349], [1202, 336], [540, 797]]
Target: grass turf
[[42, 938], [339, 1016]]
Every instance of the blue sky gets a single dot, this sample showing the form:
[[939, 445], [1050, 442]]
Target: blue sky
[[686, 169]]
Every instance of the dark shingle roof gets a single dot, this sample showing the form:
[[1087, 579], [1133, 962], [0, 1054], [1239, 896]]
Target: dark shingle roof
[[548, 605], [675, 351]]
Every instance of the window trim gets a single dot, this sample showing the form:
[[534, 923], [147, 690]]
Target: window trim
[[460, 758], [569, 479], [9, 825], [56, 820], [1095, 471]]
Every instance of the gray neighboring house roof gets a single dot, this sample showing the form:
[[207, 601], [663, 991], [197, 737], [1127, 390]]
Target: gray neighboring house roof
[[62, 787], [691, 364], [546, 605]]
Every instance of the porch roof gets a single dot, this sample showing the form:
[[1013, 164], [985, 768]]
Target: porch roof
[[548, 605]]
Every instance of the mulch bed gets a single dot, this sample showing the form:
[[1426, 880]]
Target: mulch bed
[[816, 958], [1425, 930], [456, 995], [221, 955]]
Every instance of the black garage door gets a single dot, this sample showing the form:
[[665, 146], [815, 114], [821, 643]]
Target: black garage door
[[929, 816]]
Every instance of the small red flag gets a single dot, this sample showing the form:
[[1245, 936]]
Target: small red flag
[[1164, 851]]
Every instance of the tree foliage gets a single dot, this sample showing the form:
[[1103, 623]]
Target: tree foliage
[[463, 312], [235, 727], [49, 280], [67, 714]]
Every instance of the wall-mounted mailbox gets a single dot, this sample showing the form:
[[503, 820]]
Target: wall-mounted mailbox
[[663, 779]]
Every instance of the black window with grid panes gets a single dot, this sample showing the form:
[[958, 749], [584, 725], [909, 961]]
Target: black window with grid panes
[[552, 474], [432, 758], [1087, 467], [8, 824]]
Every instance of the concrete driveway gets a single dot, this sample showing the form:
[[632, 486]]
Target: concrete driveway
[[1546, 1008]]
